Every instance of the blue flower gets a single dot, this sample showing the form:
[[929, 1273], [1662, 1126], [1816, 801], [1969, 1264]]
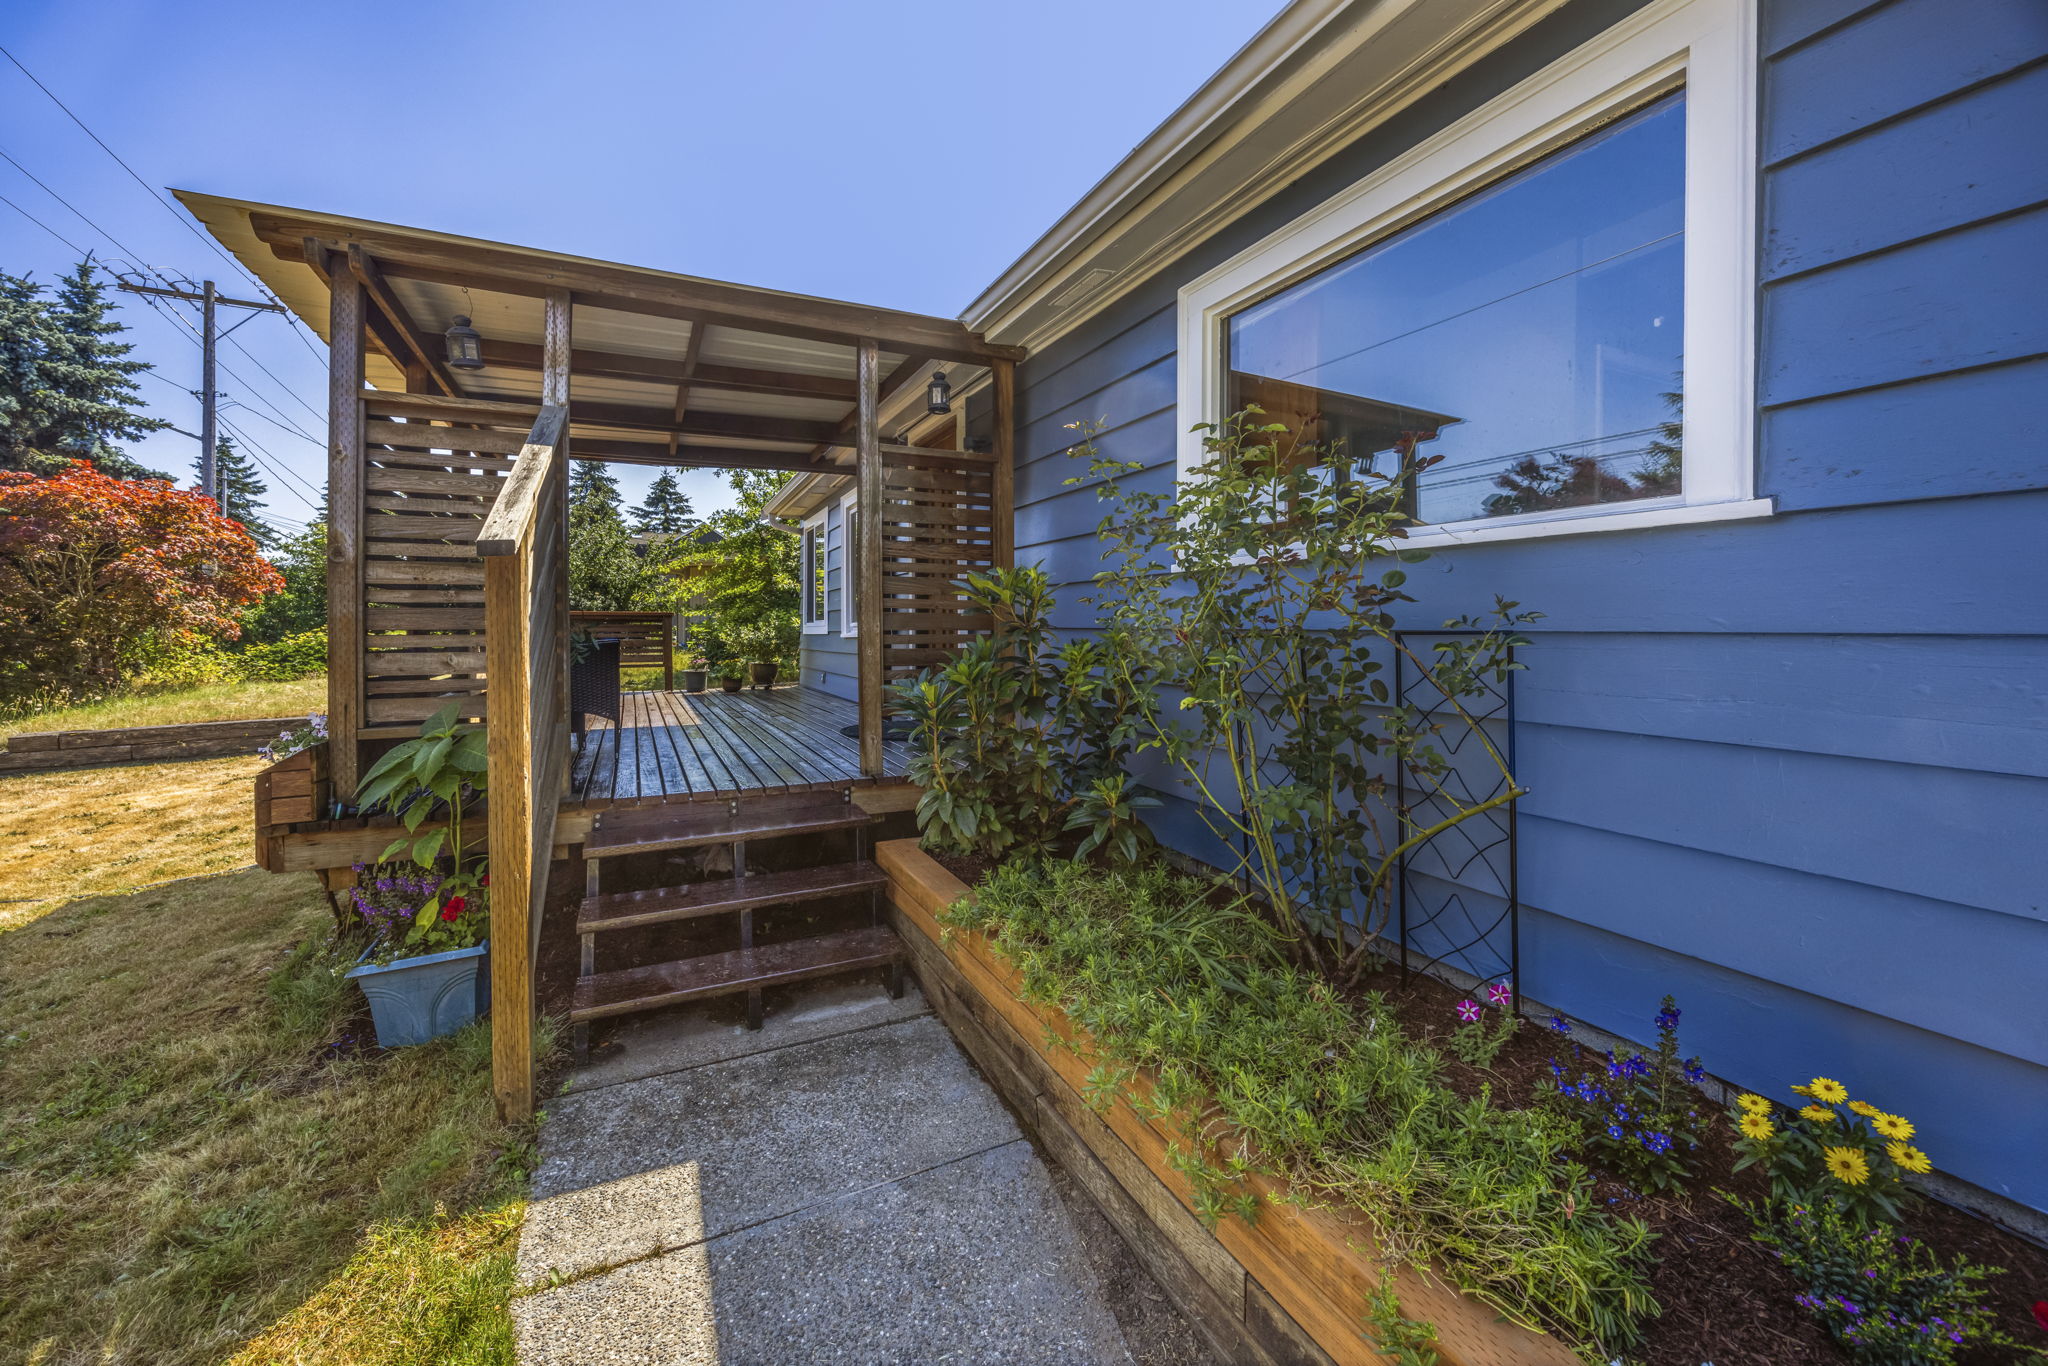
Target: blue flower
[[1694, 1073], [1614, 1132], [1657, 1143], [1560, 1024]]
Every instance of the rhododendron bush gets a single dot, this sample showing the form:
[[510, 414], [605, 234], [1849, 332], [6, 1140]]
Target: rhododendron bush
[[95, 571]]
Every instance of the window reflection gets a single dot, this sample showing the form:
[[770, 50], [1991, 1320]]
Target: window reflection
[[1531, 335]]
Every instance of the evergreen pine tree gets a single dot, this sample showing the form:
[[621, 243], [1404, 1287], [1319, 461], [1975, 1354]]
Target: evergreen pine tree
[[241, 491], [667, 511], [26, 337], [92, 394], [590, 482]]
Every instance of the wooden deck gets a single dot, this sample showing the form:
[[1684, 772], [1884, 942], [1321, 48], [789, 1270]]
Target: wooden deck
[[680, 747]]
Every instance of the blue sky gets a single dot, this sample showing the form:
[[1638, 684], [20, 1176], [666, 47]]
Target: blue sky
[[892, 153]]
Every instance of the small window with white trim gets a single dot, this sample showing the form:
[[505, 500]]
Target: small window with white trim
[[849, 562], [811, 568], [1547, 303]]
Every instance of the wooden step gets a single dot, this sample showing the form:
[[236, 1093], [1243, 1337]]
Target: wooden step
[[721, 974], [630, 910], [644, 829]]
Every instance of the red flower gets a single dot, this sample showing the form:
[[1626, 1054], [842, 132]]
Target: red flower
[[2041, 1314], [456, 906], [484, 881]]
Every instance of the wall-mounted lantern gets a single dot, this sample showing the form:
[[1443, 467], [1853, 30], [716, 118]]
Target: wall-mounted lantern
[[465, 347], [938, 394]]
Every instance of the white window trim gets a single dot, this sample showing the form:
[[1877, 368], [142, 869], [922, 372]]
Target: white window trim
[[812, 553], [1709, 46], [849, 613]]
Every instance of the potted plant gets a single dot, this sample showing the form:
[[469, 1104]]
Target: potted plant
[[758, 644], [426, 904], [732, 680], [694, 674]]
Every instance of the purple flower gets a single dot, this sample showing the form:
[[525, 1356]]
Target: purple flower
[[1468, 1011], [1694, 1073], [1500, 994], [1667, 1018]]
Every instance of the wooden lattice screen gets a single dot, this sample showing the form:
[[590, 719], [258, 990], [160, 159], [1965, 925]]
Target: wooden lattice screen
[[432, 469], [937, 524]]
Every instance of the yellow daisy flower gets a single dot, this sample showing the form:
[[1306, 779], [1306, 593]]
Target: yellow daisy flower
[[1893, 1126], [1865, 1109], [1753, 1103], [1909, 1157], [1802, 1090], [1757, 1127], [1823, 1089], [1847, 1165], [1819, 1114]]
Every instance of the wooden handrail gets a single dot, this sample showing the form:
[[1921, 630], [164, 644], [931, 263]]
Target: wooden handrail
[[525, 643], [511, 517]]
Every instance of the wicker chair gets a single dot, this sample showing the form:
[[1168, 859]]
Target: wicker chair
[[594, 684]]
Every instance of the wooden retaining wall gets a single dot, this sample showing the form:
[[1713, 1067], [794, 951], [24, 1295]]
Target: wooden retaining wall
[[141, 744], [1291, 1287]]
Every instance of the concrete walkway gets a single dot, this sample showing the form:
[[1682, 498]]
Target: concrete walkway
[[841, 1186]]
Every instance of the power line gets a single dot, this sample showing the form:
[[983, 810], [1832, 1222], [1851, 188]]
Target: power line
[[81, 214], [44, 226], [184, 220]]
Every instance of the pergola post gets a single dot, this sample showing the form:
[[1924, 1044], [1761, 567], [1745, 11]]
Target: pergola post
[[345, 626], [1003, 389], [868, 575]]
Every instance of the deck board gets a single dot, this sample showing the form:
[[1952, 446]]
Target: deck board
[[680, 747]]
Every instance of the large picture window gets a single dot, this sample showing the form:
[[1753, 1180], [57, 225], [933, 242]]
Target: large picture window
[[1552, 297], [1529, 336]]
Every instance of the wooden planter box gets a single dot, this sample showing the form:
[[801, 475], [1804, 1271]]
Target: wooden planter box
[[1292, 1286]]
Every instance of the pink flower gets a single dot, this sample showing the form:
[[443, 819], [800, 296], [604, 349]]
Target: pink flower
[[1468, 1011], [1499, 994]]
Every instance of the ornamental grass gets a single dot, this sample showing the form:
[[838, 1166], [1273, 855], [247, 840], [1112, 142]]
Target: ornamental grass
[[1261, 1066]]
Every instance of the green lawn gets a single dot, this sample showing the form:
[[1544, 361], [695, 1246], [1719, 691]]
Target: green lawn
[[194, 1165], [207, 702]]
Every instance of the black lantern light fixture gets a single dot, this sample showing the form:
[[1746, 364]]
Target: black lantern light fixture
[[465, 347], [938, 396]]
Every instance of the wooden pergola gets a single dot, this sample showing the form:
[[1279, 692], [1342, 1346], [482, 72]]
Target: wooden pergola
[[447, 555]]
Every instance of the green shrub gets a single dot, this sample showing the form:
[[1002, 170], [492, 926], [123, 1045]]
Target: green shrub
[[299, 656], [1885, 1297], [177, 661], [1177, 975]]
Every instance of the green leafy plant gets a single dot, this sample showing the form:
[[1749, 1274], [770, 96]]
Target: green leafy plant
[[1257, 1064], [1012, 738], [1108, 812], [1399, 1339], [1253, 612], [1886, 1298], [442, 770], [295, 656], [1644, 1114], [1834, 1151]]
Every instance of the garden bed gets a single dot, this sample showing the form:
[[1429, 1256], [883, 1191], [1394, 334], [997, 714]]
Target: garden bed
[[1314, 1266]]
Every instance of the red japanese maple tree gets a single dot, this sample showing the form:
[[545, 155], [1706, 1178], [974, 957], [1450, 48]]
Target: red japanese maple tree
[[93, 568]]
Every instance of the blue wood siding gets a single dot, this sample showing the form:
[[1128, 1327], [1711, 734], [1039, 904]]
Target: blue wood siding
[[827, 657], [1795, 771]]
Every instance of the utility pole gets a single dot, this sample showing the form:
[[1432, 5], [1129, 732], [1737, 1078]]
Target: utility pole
[[209, 299]]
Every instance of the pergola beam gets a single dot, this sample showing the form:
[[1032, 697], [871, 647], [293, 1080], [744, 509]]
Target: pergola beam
[[623, 289], [524, 356], [365, 270]]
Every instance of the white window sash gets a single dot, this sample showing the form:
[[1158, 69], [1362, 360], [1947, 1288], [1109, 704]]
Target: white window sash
[[1708, 47]]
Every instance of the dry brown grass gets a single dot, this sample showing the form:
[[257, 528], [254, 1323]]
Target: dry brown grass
[[97, 831], [207, 702], [192, 1155]]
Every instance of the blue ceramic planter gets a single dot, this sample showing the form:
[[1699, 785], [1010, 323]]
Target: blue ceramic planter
[[413, 1000]]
